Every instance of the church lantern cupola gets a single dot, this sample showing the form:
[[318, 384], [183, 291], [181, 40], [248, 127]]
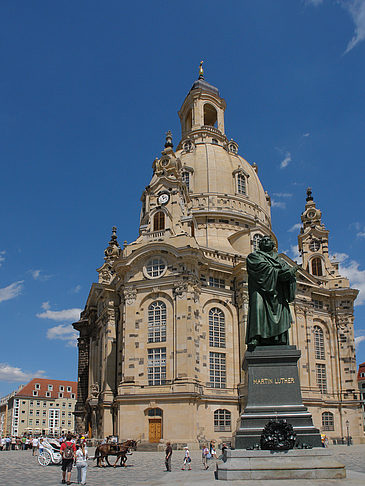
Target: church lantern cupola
[[202, 112]]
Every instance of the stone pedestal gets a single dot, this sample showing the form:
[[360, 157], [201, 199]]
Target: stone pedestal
[[273, 392], [292, 464]]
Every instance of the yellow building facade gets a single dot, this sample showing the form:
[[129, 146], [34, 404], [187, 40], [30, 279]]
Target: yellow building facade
[[162, 335]]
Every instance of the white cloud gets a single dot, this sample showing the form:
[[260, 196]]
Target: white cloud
[[361, 234], [350, 269], [294, 254], [64, 332], [286, 160], [295, 227], [38, 275], [12, 373], [283, 194], [278, 204], [307, 134], [62, 315], [76, 289], [359, 339], [356, 8], [46, 305], [2, 257], [11, 291]]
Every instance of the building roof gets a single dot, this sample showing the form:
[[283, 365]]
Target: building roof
[[201, 84], [42, 388], [361, 370]]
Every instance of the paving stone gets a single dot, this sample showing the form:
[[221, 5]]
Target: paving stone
[[19, 468]]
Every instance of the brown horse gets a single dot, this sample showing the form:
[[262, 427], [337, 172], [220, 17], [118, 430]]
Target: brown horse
[[120, 450]]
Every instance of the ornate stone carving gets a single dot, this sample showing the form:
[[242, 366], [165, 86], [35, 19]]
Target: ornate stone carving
[[94, 390], [130, 296], [180, 289]]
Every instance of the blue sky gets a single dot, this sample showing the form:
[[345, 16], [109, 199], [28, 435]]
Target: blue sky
[[88, 90]]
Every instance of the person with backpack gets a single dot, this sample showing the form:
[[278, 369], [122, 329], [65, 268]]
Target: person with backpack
[[68, 452]]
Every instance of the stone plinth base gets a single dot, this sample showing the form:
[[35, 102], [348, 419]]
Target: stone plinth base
[[273, 393], [292, 464]]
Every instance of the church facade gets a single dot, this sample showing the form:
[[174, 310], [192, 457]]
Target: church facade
[[162, 335]]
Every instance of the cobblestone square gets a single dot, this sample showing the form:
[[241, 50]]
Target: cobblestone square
[[147, 468]]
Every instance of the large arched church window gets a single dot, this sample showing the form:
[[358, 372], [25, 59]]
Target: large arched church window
[[217, 328], [210, 115], [157, 322], [317, 267], [159, 221], [328, 421], [222, 420], [319, 343]]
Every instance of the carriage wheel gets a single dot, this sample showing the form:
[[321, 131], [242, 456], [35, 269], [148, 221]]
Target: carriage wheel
[[44, 459]]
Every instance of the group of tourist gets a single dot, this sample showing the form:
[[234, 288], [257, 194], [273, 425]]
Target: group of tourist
[[74, 452], [14, 443], [208, 452]]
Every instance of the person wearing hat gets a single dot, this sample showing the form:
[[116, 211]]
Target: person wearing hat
[[187, 459]]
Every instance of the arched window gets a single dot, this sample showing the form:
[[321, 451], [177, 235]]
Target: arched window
[[222, 420], [159, 221], [210, 115], [157, 322], [328, 421], [241, 184], [188, 121], [319, 343], [317, 267], [255, 241], [186, 178], [154, 412], [217, 328]]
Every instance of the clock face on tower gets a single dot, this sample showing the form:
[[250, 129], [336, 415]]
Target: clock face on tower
[[163, 198]]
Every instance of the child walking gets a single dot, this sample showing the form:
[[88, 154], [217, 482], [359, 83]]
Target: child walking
[[187, 459]]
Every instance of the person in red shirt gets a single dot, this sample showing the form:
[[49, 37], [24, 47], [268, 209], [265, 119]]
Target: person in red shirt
[[68, 452]]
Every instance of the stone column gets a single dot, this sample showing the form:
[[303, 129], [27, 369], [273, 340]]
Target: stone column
[[82, 385]]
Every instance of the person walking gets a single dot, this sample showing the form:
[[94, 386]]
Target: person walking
[[168, 453], [187, 459], [81, 463], [68, 453], [205, 456], [35, 445]]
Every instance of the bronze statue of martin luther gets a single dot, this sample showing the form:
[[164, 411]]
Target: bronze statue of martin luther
[[271, 287]]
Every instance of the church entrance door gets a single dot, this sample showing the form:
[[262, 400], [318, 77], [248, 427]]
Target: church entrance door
[[155, 429]]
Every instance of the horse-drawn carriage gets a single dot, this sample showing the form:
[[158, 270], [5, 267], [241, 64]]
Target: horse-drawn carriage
[[51, 452], [103, 451]]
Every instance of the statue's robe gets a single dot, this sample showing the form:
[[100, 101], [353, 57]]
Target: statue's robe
[[271, 286]]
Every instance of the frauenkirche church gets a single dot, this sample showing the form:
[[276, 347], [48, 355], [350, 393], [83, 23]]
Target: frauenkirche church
[[162, 336]]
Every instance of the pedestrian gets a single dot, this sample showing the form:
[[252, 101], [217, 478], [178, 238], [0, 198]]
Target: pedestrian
[[23, 441], [212, 449], [68, 453], [27, 443], [168, 453], [187, 459], [81, 463], [35, 445], [13, 443], [8, 443], [205, 456]]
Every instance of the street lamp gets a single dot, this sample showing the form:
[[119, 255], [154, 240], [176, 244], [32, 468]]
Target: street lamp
[[348, 432]]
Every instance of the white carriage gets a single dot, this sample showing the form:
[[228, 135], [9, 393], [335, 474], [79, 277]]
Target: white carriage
[[51, 453]]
